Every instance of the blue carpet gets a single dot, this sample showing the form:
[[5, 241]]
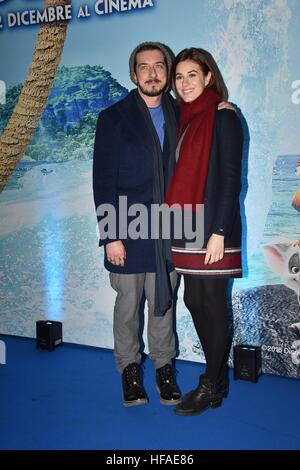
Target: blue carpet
[[71, 399]]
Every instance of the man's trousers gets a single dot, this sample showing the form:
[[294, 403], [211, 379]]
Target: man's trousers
[[160, 330]]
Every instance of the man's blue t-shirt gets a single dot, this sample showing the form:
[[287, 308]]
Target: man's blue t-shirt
[[158, 120]]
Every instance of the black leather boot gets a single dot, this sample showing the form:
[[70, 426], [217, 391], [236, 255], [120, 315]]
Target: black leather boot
[[133, 390], [223, 382], [167, 386], [205, 396]]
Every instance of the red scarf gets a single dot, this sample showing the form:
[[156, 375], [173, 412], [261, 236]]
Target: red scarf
[[189, 180]]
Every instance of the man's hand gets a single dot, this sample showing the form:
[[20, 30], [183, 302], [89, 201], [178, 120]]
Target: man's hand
[[215, 249], [115, 252], [226, 105]]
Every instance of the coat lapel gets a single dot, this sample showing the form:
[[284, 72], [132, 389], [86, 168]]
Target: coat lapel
[[136, 123]]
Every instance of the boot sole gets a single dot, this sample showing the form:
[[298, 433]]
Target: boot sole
[[193, 413], [168, 402], [141, 401]]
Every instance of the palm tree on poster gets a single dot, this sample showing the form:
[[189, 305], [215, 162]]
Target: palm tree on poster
[[34, 95]]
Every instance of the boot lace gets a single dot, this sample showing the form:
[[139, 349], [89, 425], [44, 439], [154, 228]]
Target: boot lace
[[166, 375], [132, 375]]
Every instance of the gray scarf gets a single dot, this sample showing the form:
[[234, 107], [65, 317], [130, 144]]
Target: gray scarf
[[163, 290]]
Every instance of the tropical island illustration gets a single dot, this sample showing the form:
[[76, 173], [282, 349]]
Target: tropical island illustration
[[67, 127]]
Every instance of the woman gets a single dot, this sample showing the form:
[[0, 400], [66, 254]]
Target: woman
[[208, 172]]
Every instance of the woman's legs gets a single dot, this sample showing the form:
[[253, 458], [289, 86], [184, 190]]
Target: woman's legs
[[206, 300], [194, 300]]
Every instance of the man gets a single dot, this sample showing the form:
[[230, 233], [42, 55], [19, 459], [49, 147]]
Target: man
[[134, 156]]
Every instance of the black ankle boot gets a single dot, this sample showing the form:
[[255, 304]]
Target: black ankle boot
[[167, 386], [133, 390], [205, 396], [223, 381]]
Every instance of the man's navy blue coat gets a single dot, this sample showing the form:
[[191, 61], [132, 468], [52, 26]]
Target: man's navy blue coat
[[123, 166]]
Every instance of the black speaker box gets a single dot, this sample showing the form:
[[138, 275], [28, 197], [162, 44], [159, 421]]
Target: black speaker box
[[247, 362], [48, 334]]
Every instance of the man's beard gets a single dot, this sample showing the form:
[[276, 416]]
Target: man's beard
[[156, 92]]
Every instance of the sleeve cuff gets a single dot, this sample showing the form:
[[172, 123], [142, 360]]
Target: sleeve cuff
[[219, 231]]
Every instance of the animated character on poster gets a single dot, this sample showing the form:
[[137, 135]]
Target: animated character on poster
[[284, 260]]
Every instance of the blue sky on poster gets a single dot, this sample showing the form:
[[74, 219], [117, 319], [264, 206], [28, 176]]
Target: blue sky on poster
[[109, 39], [196, 24]]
